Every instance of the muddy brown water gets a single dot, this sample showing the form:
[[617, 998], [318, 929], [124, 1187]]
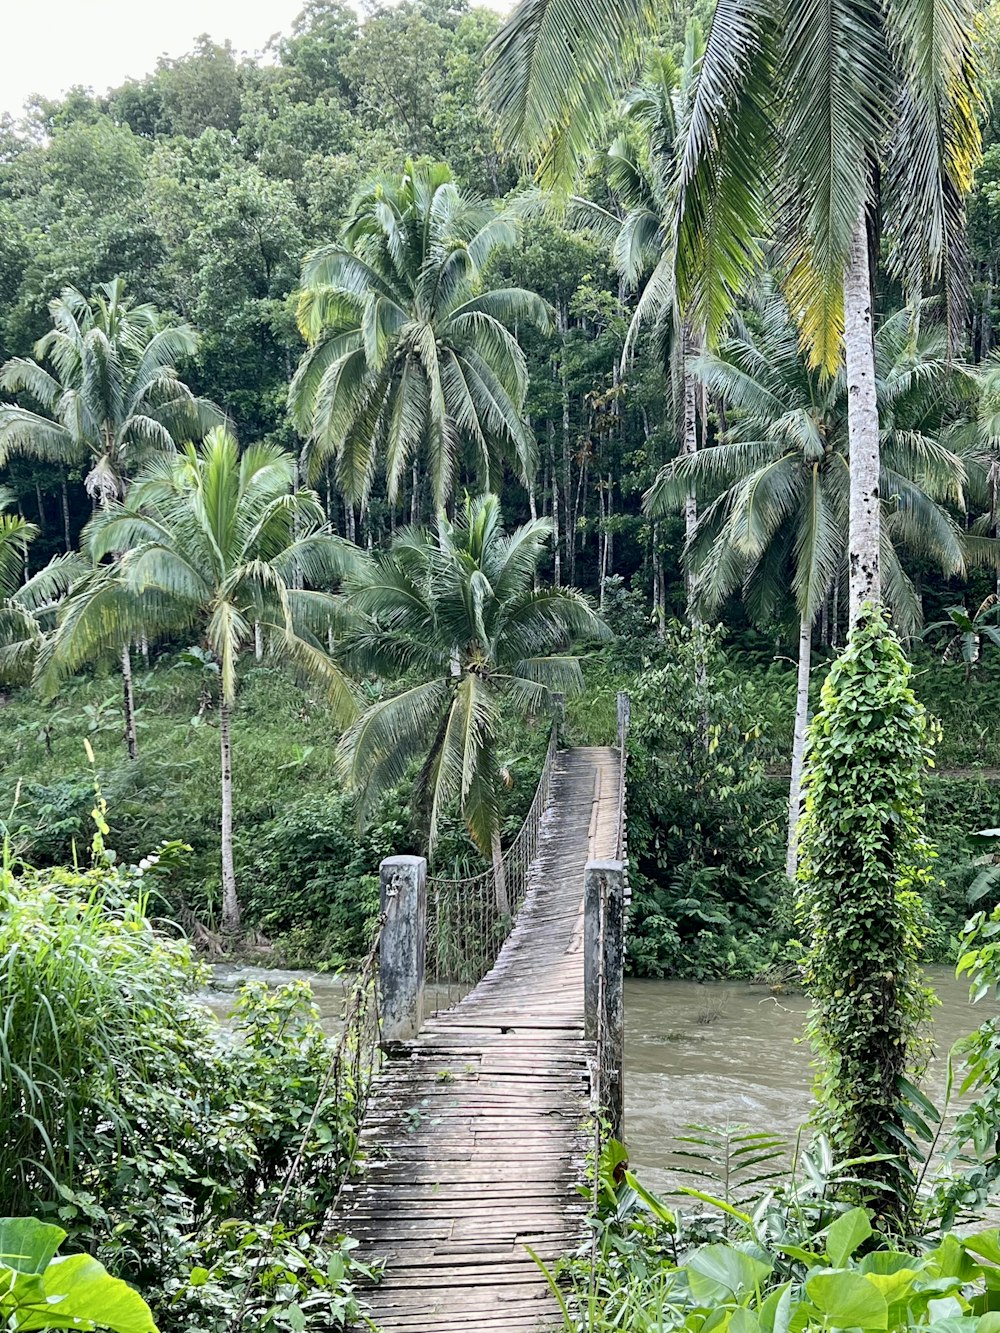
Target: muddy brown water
[[722, 1053]]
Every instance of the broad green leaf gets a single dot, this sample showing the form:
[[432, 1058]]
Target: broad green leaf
[[845, 1235], [848, 1300], [716, 1272], [745, 1321], [984, 1243], [27, 1245], [80, 1293]]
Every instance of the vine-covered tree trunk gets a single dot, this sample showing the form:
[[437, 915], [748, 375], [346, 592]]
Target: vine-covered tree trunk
[[864, 519], [128, 699], [230, 900], [799, 743], [864, 861]]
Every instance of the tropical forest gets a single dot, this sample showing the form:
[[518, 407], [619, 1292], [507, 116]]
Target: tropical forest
[[500, 675]]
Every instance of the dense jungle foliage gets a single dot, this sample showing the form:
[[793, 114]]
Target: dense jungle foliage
[[369, 405], [203, 188]]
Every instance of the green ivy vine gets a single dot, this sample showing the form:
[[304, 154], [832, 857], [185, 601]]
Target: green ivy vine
[[864, 863]]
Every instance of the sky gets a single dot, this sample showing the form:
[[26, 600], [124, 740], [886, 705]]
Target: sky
[[49, 45]]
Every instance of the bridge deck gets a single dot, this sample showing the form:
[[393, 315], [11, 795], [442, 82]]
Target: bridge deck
[[475, 1140]]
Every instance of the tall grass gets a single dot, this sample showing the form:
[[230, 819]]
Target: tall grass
[[88, 996]]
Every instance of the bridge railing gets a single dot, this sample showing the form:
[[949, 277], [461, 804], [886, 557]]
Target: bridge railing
[[445, 934], [605, 913], [469, 919]]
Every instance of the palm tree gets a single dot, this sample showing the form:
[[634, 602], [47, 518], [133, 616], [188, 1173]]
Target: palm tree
[[113, 396], [26, 605], [458, 610], [779, 485], [811, 123], [637, 228], [112, 399], [212, 540], [410, 353]]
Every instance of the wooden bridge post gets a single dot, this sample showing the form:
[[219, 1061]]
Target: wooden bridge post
[[604, 981], [403, 895], [624, 717]]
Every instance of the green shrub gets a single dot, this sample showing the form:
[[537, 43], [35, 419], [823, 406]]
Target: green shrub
[[160, 1144], [705, 827]]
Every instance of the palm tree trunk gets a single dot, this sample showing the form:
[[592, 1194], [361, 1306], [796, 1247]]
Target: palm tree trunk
[[557, 561], [864, 517], [567, 468], [609, 549], [131, 740], [799, 743], [258, 642], [499, 874], [230, 902], [65, 514], [689, 447]]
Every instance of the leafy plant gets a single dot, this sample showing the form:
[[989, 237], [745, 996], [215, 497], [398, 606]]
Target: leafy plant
[[40, 1289], [799, 1260], [864, 862], [966, 631], [185, 1162], [704, 827]]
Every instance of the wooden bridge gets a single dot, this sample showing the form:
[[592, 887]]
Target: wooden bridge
[[475, 1131]]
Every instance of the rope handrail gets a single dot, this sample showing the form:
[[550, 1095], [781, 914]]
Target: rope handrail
[[469, 919]]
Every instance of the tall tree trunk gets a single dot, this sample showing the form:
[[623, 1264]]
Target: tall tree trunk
[[609, 564], [131, 740], [835, 613], [864, 519], [689, 447], [230, 901], [41, 510], [567, 469], [258, 641], [499, 874], [557, 560], [799, 743], [65, 514]]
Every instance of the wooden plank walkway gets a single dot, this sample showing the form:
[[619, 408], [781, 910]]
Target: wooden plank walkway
[[474, 1139]]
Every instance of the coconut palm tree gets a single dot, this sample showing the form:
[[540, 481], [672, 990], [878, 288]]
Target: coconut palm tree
[[113, 395], [220, 542], [779, 485], [811, 123], [111, 400], [27, 606], [458, 611], [409, 353], [640, 165]]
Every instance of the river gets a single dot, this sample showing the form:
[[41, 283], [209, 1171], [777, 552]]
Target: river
[[715, 1054]]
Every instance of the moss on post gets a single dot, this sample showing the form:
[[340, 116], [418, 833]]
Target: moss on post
[[863, 861]]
